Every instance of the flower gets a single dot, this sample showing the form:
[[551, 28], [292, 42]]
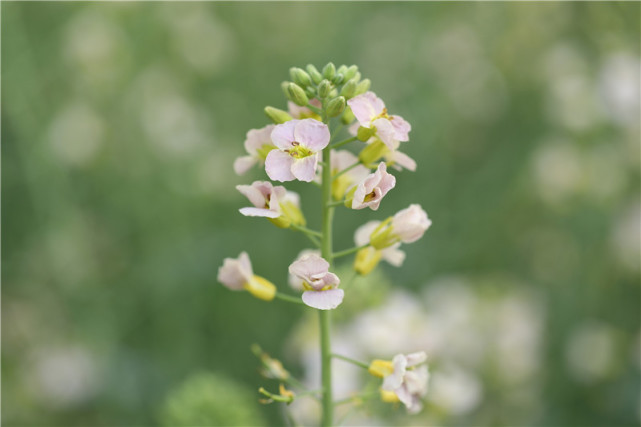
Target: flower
[[376, 149], [368, 258], [237, 274], [294, 281], [407, 226], [341, 160], [282, 207], [299, 112], [370, 191], [371, 114], [298, 144], [320, 284], [404, 377], [258, 144]]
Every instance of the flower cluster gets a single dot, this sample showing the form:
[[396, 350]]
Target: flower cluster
[[300, 145]]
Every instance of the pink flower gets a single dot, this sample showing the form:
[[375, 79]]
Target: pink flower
[[321, 285], [408, 380], [411, 223], [371, 113], [343, 159], [294, 281], [373, 188], [282, 207], [257, 144], [298, 112], [391, 254], [298, 143], [237, 275]]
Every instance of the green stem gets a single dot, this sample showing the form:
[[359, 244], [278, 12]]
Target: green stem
[[338, 203], [324, 316], [314, 109], [350, 360], [289, 298], [350, 251], [306, 230], [343, 142], [308, 233], [347, 169]]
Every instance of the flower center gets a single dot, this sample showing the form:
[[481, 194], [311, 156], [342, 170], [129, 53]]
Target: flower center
[[298, 151], [383, 115]]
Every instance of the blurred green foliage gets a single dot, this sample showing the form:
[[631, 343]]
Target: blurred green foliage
[[120, 125]]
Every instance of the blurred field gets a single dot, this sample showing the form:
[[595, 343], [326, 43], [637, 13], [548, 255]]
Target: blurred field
[[120, 125]]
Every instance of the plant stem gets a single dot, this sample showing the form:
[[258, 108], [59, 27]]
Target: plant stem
[[347, 169], [343, 142], [337, 203], [289, 298], [324, 318], [352, 361], [350, 251]]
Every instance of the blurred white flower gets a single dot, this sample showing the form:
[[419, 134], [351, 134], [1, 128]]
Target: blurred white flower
[[619, 88], [590, 351], [76, 134], [455, 390], [557, 170]]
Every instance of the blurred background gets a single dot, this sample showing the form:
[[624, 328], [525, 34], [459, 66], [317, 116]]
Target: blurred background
[[120, 125]]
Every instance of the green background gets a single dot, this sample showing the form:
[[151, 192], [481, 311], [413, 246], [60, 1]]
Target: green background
[[120, 125]]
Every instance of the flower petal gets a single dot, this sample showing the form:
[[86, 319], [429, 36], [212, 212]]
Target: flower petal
[[403, 160], [305, 169], [386, 133], [278, 165], [362, 234], [309, 265], [283, 135], [256, 138], [416, 358], [324, 300], [401, 128], [312, 134], [394, 255], [365, 107], [256, 193], [267, 213], [243, 164]]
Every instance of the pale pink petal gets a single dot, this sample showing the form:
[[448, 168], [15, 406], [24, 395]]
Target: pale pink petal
[[305, 169], [311, 134], [393, 255], [283, 135], [416, 380], [309, 265], [395, 379], [324, 300], [256, 193], [416, 358], [401, 128], [234, 273], [243, 164], [267, 213], [278, 165], [388, 181], [365, 107], [386, 133], [256, 138], [330, 279], [278, 195], [403, 160], [363, 233]]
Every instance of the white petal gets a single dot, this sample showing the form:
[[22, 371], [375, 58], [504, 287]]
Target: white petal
[[324, 300]]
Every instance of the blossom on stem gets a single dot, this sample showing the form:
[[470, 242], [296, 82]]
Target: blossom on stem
[[407, 226], [368, 258], [370, 191], [295, 282], [320, 285], [257, 144], [340, 160], [376, 150], [406, 376], [298, 144], [237, 275], [282, 207], [372, 116]]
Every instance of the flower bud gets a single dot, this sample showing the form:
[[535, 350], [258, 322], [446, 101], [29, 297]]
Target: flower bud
[[335, 106], [364, 134], [349, 89], [310, 92], [261, 288], [366, 260], [342, 69], [283, 87], [329, 71], [363, 86], [383, 237], [324, 88], [381, 368], [297, 95], [314, 74], [348, 116], [292, 212], [277, 116], [338, 78], [300, 77], [350, 72], [372, 152]]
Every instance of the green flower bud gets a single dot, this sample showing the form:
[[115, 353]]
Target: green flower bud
[[363, 86], [300, 77], [283, 87], [350, 72], [314, 74], [342, 69], [349, 89], [357, 76], [329, 71], [333, 93], [366, 260], [335, 106], [310, 92], [348, 116], [338, 78], [277, 116], [324, 88], [364, 134], [297, 95], [372, 152]]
